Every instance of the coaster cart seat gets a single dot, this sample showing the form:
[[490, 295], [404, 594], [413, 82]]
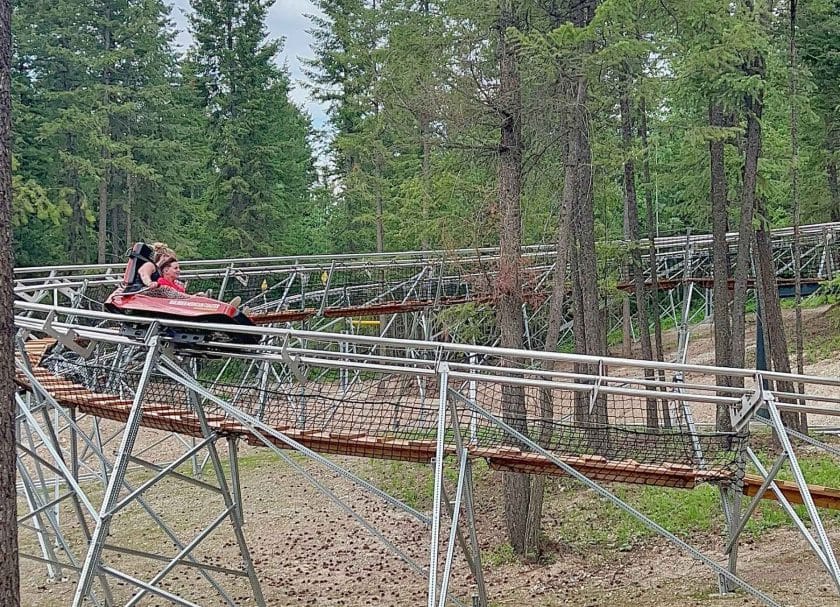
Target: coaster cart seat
[[133, 298]]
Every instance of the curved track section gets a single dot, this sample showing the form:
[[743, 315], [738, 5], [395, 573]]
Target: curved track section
[[347, 293]]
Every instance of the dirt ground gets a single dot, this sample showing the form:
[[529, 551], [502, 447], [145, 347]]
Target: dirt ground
[[308, 551]]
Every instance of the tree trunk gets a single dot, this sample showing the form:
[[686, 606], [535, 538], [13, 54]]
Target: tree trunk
[[77, 237], [561, 262], [651, 222], [552, 339], [720, 261], [582, 417], [588, 321], [509, 305], [626, 274], [584, 231], [589, 329], [116, 227], [380, 230], [832, 148], [425, 128], [102, 228], [571, 197], [755, 69], [425, 136], [129, 204], [794, 194], [652, 261], [753, 105], [626, 267], [631, 211], [771, 309], [588, 263], [380, 222], [9, 572], [767, 290]]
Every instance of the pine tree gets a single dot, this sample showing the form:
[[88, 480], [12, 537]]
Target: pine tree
[[53, 46], [260, 162], [98, 118], [349, 50], [820, 44], [140, 149]]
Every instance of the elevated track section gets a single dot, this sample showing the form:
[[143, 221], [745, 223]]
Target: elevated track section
[[317, 386], [599, 421]]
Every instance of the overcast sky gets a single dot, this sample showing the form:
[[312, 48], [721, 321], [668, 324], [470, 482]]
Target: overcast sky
[[286, 19]]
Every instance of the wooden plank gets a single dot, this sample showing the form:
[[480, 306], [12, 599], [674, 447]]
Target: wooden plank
[[824, 497]]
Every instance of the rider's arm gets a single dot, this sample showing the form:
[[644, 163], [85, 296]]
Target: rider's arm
[[145, 272]]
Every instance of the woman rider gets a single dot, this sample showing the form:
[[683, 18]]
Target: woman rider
[[161, 277], [149, 272]]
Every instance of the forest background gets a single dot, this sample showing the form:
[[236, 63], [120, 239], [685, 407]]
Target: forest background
[[119, 138]]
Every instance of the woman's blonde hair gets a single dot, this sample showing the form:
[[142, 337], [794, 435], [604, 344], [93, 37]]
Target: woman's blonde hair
[[161, 250]]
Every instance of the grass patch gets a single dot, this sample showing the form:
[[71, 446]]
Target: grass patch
[[501, 554], [414, 484], [596, 524], [256, 460], [601, 525], [585, 522], [828, 293], [824, 343], [818, 470]]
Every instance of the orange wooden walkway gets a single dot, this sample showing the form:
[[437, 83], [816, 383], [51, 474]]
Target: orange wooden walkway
[[165, 417]]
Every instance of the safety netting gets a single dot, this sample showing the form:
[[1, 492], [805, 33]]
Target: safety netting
[[506, 411]]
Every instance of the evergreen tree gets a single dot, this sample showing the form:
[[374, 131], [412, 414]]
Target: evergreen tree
[[98, 126], [260, 163], [140, 149], [820, 44], [345, 75], [57, 134]]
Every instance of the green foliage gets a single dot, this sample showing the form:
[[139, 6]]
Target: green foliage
[[206, 152], [410, 483], [413, 484], [467, 323], [94, 85], [825, 344], [681, 512], [501, 554], [259, 160], [603, 526], [30, 201], [829, 293], [105, 114]]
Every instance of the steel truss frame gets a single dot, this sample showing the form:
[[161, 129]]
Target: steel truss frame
[[298, 355], [102, 517], [92, 568]]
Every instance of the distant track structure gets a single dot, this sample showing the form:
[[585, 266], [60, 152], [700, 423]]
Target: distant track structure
[[330, 292]]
